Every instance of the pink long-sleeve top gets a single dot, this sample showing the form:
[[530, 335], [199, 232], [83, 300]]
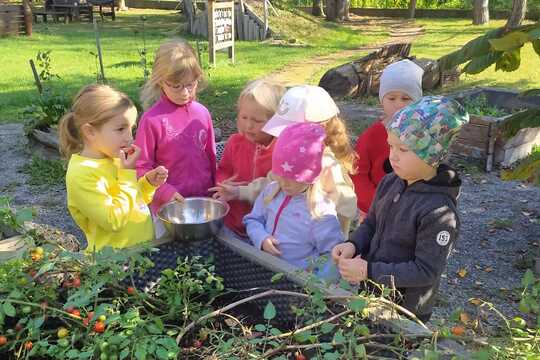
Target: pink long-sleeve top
[[181, 138]]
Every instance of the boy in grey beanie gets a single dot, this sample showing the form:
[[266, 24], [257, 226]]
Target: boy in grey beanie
[[400, 85]]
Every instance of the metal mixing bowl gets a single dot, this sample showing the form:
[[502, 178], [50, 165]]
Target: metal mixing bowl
[[196, 218]]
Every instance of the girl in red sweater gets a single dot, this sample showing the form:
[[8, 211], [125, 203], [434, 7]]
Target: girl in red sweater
[[248, 153], [400, 85]]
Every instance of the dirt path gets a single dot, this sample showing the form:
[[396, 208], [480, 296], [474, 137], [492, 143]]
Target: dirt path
[[305, 71]]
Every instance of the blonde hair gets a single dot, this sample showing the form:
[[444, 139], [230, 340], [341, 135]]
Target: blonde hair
[[312, 192], [95, 105], [266, 94], [337, 139], [175, 59]]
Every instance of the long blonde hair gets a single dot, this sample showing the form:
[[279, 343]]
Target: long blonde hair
[[175, 59], [337, 139], [265, 93], [94, 104], [313, 193]]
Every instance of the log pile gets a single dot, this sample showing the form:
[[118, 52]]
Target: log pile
[[15, 18], [361, 77]]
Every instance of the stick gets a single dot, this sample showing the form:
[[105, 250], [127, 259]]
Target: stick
[[98, 45], [235, 304], [272, 7], [36, 76], [308, 327]]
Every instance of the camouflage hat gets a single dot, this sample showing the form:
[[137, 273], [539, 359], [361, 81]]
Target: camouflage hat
[[428, 125]]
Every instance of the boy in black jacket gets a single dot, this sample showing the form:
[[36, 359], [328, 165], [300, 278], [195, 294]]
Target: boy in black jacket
[[413, 221]]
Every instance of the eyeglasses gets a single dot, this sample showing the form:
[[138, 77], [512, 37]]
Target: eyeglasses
[[179, 87]]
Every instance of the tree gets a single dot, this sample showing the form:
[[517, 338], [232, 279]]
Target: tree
[[336, 10], [519, 7], [480, 12], [412, 8], [317, 9]]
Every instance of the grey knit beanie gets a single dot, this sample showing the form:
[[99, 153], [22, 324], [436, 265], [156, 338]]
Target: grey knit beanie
[[404, 76]]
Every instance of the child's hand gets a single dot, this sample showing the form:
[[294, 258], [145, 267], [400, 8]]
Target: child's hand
[[343, 251], [177, 197], [128, 156], [157, 176], [353, 270], [225, 191], [361, 216], [270, 245]]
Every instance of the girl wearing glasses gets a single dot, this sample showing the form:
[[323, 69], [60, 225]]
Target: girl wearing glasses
[[176, 131]]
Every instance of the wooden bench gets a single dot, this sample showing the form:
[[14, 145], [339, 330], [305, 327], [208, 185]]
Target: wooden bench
[[74, 9], [44, 14], [104, 4]]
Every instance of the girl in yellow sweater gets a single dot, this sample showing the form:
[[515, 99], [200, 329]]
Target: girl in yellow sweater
[[104, 196]]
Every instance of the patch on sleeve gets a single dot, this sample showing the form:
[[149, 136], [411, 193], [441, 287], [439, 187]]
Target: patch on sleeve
[[443, 238]]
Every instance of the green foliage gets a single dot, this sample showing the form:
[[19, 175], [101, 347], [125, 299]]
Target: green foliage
[[47, 110], [480, 106], [11, 219], [528, 169], [45, 171]]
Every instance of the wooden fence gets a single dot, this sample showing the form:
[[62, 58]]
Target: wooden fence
[[15, 18]]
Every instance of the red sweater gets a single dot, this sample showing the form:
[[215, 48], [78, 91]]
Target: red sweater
[[373, 150], [248, 161]]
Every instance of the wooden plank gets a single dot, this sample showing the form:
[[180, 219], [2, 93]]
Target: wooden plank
[[245, 31], [482, 120], [461, 149], [478, 133]]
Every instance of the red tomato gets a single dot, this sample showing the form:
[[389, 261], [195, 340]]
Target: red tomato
[[3, 340], [99, 327], [28, 345]]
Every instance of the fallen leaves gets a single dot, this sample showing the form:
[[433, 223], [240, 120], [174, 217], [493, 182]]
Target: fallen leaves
[[462, 272]]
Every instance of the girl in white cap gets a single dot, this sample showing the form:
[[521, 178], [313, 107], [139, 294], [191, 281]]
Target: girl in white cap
[[313, 104]]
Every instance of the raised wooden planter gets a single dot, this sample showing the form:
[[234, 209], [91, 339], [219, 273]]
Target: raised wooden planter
[[481, 139], [15, 18]]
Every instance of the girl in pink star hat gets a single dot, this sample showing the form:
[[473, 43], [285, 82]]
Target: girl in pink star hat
[[289, 218]]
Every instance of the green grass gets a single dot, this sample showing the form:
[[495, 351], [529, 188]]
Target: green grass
[[45, 172], [72, 44], [447, 35]]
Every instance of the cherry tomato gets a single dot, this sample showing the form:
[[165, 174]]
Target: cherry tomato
[[99, 327], [76, 283], [28, 345], [3, 340], [299, 356], [27, 309], [86, 321], [76, 313], [70, 309], [131, 290], [62, 332], [90, 315], [102, 318]]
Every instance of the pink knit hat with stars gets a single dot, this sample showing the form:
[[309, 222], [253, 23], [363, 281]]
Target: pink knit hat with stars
[[298, 152]]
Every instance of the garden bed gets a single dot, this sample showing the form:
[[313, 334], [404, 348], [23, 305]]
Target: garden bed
[[482, 138]]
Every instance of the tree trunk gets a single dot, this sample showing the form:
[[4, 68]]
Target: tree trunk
[[412, 8], [122, 5], [317, 9], [335, 10], [480, 12], [519, 7]]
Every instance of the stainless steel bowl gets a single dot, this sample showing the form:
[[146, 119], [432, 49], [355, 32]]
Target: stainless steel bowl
[[196, 218]]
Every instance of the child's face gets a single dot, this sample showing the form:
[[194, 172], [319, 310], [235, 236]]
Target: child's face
[[180, 92], [394, 101], [113, 136], [250, 121], [406, 164], [290, 187]]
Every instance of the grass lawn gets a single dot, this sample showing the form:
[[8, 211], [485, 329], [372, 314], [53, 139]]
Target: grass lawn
[[72, 45], [446, 35]]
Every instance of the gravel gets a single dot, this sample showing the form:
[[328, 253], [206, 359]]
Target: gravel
[[500, 230]]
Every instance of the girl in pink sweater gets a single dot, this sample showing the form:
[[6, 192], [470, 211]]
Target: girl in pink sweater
[[176, 131]]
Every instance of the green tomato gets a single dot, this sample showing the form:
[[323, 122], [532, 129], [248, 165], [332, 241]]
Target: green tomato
[[103, 356], [113, 357], [27, 309], [63, 342], [104, 346], [22, 281]]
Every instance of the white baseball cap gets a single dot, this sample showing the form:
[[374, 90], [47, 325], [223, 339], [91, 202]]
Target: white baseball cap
[[306, 103]]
